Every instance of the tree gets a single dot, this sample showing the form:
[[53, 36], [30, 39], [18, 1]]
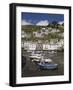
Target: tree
[[55, 24]]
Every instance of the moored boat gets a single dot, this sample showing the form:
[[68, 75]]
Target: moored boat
[[49, 66]]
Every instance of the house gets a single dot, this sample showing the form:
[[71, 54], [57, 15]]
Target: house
[[44, 31], [41, 33], [25, 35], [28, 45], [61, 43], [38, 34], [50, 46], [43, 46], [32, 46], [54, 30]]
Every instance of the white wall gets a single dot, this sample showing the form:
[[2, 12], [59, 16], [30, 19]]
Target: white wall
[[4, 44]]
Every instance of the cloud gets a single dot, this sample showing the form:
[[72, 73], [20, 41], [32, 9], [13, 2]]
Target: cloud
[[24, 22], [43, 23], [61, 22]]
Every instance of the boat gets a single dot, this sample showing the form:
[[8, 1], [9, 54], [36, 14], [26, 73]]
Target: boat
[[43, 63], [36, 56], [52, 52], [49, 66]]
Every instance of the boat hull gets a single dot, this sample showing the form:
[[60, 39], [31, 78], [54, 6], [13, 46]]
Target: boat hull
[[48, 66]]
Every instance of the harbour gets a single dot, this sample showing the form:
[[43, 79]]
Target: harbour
[[30, 69]]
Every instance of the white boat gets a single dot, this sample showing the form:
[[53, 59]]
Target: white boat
[[48, 60], [35, 57], [52, 52]]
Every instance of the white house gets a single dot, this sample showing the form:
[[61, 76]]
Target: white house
[[28, 45], [60, 43], [50, 46], [25, 35], [32, 46], [47, 46], [44, 31], [54, 30]]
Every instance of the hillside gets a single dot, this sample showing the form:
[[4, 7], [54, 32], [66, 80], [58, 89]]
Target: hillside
[[42, 32]]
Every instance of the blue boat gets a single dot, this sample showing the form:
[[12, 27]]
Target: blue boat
[[49, 66]]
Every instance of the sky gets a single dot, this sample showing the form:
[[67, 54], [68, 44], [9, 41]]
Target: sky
[[40, 18]]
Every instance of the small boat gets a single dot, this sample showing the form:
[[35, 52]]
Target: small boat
[[35, 57], [35, 60], [52, 52], [49, 66]]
